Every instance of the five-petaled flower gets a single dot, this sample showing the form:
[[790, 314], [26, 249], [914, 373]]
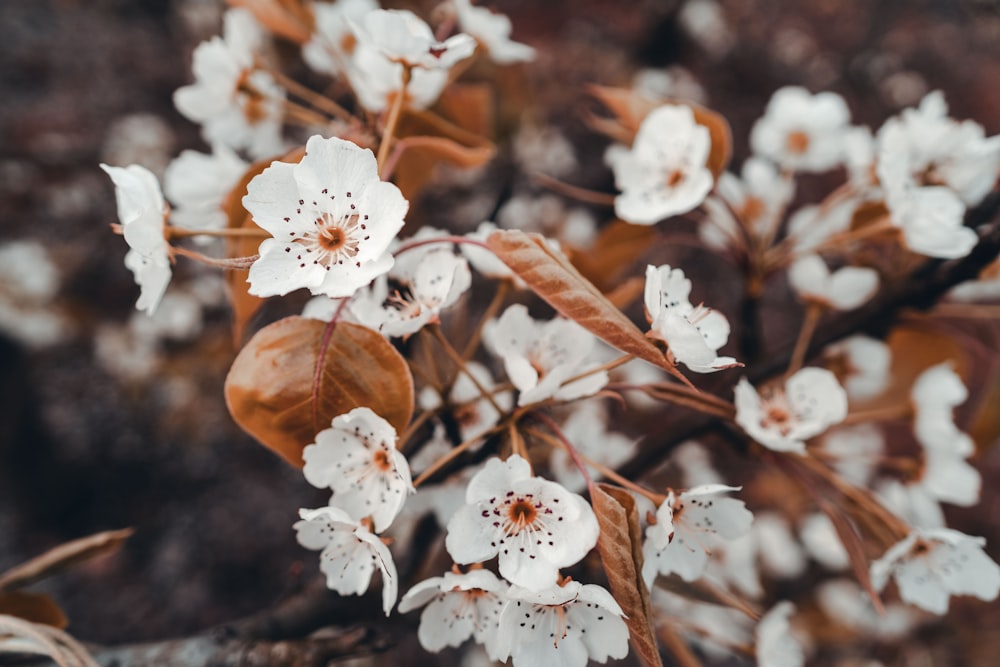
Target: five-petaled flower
[[782, 418], [357, 458], [665, 172], [350, 553], [688, 526], [459, 606], [331, 217], [562, 626], [930, 565], [535, 526]]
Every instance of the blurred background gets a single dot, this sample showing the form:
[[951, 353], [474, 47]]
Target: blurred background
[[111, 421]]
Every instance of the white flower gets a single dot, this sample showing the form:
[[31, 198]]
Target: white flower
[[390, 41], [198, 183], [459, 606], [29, 283], [672, 83], [759, 196], [945, 474], [811, 225], [844, 289], [357, 459], [492, 30], [437, 281], [474, 413], [550, 217], [587, 429], [856, 451], [540, 356], [142, 212], [845, 602], [931, 565], [535, 526], [688, 526], [820, 539], [802, 132], [924, 147], [784, 417], [776, 647], [665, 172], [562, 626], [331, 217], [350, 553], [931, 221], [333, 43], [693, 334], [862, 365], [238, 105]]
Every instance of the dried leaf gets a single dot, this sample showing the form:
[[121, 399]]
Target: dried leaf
[[64, 556], [614, 252], [721, 137], [34, 607], [469, 106], [288, 18], [244, 304], [855, 548], [554, 279], [297, 374], [620, 544]]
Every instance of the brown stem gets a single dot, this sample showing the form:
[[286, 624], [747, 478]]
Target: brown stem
[[813, 312], [393, 120], [228, 263]]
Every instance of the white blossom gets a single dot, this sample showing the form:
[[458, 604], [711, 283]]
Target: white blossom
[[782, 418], [688, 526], [844, 289], [845, 602], [861, 364], [29, 283], [776, 647], [665, 172], [692, 334], [535, 526], [459, 606], [492, 30], [390, 41], [198, 183], [855, 451], [350, 553], [331, 218], [236, 103], [820, 539], [142, 213], [562, 626], [541, 356], [930, 565], [357, 459], [802, 132], [586, 428], [332, 44], [758, 196]]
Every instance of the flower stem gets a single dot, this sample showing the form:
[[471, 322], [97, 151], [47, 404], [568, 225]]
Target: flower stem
[[319, 101], [813, 312], [611, 365], [457, 359], [228, 263], [242, 232], [392, 121], [573, 191]]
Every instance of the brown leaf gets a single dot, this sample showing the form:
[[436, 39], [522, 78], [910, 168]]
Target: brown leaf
[[614, 251], [288, 18], [422, 153], [297, 374], [554, 279], [855, 548], [620, 544], [721, 137], [244, 304], [34, 607], [63, 556], [469, 106]]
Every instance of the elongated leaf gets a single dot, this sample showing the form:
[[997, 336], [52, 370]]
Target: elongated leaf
[[296, 375], [620, 544], [34, 607], [289, 20], [855, 548], [63, 556], [554, 279]]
